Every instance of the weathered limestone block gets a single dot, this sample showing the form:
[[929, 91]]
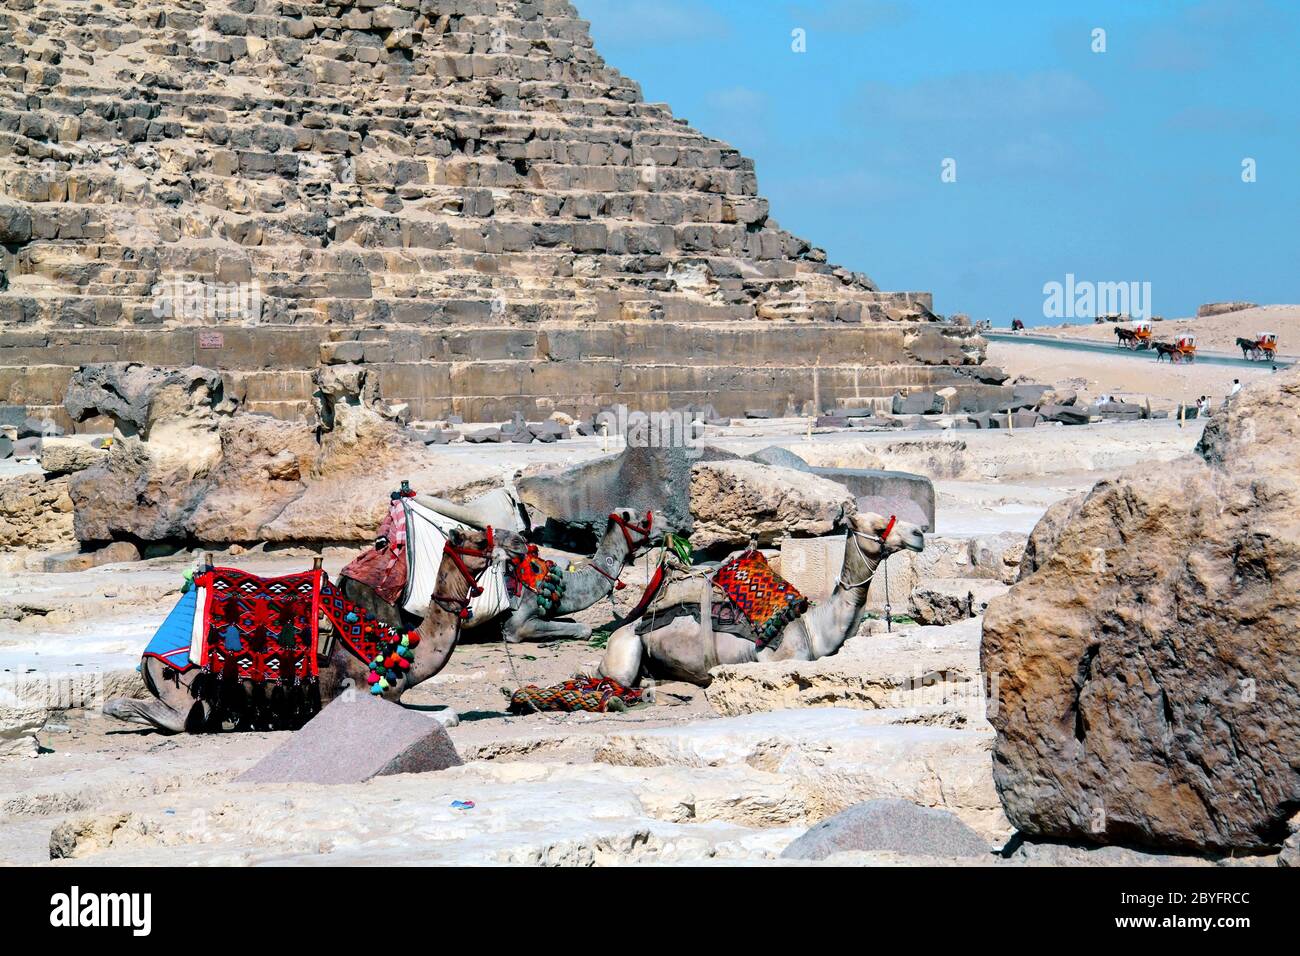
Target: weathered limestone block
[[63, 456], [733, 502], [928, 675], [834, 758], [35, 513], [1147, 665]]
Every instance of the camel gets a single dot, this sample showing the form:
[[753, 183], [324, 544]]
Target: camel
[[686, 650], [623, 541], [175, 707]]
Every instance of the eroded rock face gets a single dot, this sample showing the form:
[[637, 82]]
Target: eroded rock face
[[1147, 668], [734, 501], [137, 397], [35, 513]]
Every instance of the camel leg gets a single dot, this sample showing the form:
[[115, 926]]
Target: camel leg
[[169, 710], [622, 660], [151, 713], [536, 629]]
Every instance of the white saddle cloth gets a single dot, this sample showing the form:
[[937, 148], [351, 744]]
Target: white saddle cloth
[[426, 535]]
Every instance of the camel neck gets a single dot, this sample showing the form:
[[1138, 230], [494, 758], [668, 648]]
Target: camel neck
[[610, 558]]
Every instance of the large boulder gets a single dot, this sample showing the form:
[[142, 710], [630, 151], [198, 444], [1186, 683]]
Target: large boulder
[[897, 826], [733, 502], [1146, 671], [138, 397], [139, 491]]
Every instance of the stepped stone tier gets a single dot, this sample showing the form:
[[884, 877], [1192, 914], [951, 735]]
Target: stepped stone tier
[[459, 193]]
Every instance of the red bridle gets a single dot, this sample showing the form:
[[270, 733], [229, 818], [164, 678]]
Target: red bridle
[[458, 555], [628, 527]]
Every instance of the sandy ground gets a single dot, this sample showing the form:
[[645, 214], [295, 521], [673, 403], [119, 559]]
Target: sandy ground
[[1134, 378], [670, 782]]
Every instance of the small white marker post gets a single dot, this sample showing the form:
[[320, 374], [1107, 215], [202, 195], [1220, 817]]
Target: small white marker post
[[604, 436]]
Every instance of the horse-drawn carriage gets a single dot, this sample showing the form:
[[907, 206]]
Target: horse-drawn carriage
[[1135, 337], [1184, 349], [1262, 348]]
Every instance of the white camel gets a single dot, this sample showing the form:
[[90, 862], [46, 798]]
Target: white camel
[[685, 650]]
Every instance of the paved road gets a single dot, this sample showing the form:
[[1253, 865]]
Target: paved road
[[1082, 345]]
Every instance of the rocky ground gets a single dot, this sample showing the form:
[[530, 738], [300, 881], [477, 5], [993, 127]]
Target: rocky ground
[[733, 773]]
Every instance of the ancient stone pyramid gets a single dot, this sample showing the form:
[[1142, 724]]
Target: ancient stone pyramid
[[459, 193]]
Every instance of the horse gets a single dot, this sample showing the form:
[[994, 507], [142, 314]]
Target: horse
[[1164, 350]]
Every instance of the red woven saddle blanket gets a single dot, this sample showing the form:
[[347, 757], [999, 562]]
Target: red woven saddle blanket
[[260, 629], [266, 629], [755, 593]]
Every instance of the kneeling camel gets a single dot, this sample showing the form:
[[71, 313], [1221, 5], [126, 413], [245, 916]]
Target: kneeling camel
[[175, 707], [686, 650]]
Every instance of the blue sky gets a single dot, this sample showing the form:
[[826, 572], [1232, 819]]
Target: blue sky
[[1117, 166]]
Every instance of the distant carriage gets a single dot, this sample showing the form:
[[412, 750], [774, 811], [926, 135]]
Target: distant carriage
[[1184, 349], [1262, 348], [1135, 337]]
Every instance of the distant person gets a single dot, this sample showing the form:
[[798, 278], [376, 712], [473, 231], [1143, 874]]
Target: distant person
[[1200, 407], [1236, 387], [1017, 325]]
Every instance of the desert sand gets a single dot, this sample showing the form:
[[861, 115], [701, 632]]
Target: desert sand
[[1217, 333], [1134, 377]]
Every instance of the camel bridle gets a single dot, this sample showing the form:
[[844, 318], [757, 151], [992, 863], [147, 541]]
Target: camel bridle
[[458, 554], [628, 528], [880, 565]]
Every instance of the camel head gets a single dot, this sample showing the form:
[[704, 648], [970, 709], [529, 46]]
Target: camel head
[[640, 531], [870, 527], [508, 544]]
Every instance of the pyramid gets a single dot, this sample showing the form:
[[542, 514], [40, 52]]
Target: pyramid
[[459, 194]]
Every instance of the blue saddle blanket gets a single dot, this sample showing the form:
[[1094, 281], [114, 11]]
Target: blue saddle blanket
[[171, 642]]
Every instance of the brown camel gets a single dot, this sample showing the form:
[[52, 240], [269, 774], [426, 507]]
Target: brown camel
[[175, 707]]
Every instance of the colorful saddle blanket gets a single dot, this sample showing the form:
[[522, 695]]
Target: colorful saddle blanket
[[579, 693], [266, 629], [260, 629], [756, 593]]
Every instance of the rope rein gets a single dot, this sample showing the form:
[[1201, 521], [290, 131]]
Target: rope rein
[[881, 565]]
